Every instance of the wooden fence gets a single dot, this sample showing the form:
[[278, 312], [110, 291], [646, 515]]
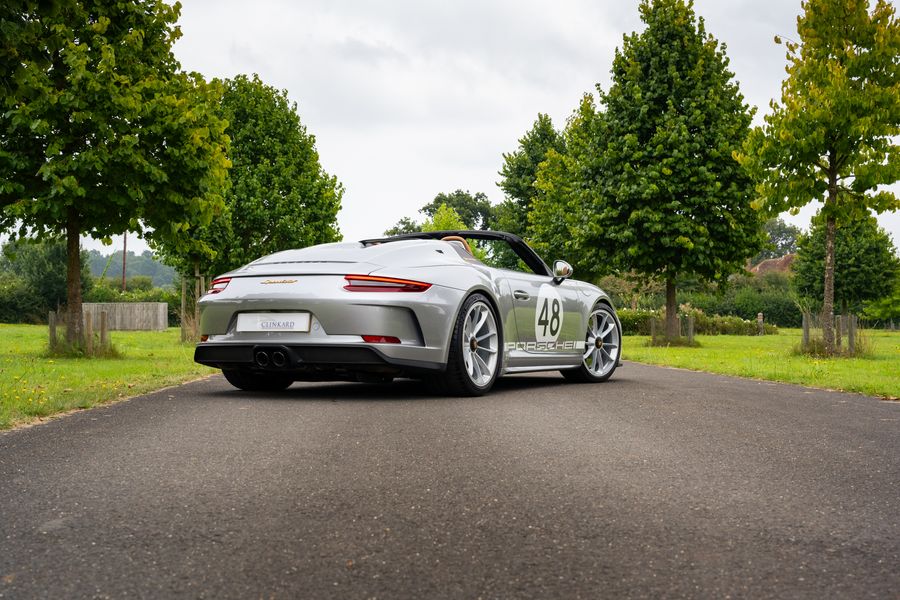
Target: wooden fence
[[148, 316]]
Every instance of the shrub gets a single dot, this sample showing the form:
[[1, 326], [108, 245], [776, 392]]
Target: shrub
[[637, 322], [18, 302]]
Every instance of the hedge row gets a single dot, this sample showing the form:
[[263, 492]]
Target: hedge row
[[637, 322], [106, 291]]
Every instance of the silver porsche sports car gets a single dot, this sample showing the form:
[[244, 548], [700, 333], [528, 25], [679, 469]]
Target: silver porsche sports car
[[423, 305]]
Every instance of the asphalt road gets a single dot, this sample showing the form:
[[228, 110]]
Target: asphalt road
[[659, 483]]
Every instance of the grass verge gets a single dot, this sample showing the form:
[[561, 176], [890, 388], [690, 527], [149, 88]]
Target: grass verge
[[33, 386], [771, 357]]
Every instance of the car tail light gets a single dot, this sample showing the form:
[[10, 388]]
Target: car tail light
[[218, 285], [381, 339], [373, 283]]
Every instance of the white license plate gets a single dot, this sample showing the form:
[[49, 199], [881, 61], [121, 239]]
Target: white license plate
[[273, 322]]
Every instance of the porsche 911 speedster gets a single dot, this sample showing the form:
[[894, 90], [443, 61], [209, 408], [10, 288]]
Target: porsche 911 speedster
[[423, 305]]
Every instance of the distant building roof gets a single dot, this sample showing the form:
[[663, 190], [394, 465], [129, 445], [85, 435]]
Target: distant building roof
[[774, 265]]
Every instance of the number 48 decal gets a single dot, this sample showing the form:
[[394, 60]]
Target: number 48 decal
[[554, 321], [549, 316]]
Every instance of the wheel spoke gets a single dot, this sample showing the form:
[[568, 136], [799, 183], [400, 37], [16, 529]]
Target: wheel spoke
[[487, 349], [607, 332], [476, 369], [483, 367], [587, 353], [481, 322]]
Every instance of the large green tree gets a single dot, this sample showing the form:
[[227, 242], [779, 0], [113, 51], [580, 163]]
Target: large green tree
[[868, 260], [100, 130], [665, 195], [832, 136], [520, 171], [556, 208], [279, 195]]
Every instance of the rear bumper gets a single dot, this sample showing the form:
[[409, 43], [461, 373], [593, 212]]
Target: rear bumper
[[309, 360]]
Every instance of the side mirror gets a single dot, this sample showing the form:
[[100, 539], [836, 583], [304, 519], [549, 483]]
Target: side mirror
[[561, 271]]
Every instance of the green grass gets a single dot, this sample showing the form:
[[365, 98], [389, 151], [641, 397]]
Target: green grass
[[772, 358], [34, 386]]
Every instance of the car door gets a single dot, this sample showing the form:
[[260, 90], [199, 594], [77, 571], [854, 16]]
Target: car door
[[549, 318]]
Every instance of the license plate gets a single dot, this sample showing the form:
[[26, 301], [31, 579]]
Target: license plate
[[273, 322]]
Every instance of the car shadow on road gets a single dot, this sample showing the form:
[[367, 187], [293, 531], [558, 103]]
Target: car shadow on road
[[398, 390]]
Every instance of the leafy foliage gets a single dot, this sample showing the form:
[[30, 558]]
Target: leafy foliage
[[556, 210], [404, 225], [665, 196], [886, 309], [37, 269], [520, 172], [637, 322], [833, 133], [867, 259], [279, 195], [100, 131], [474, 212], [445, 217], [782, 240]]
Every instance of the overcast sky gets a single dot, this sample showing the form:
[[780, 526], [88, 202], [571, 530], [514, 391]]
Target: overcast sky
[[409, 98]]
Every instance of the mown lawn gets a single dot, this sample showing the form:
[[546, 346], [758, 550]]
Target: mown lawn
[[771, 358], [33, 386]]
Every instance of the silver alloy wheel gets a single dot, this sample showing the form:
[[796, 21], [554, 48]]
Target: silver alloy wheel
[[602, 343], [480, 343]]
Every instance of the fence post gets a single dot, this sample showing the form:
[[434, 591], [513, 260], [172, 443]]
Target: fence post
[[653, 330], [197, 292], [805, 343], [851, 334], [88, 334], [183, 307], [51, 321], [838, 325], [104, 330], [690, 329], [760, 324]]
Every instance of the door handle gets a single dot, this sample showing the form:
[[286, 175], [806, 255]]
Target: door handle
[[520, 295]]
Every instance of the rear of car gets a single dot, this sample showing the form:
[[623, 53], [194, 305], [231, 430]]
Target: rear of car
[[328, 312]]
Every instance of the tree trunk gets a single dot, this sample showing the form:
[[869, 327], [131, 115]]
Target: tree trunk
[[672, 328], [828, 300], [73, 279]]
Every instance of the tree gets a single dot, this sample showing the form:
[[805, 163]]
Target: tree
[[279, 195], [782, 240], [556, 208], [887, 308], [867, 264], [404, 225], [831, 138], [100, 130], [445, 218], [42, 266], [519, 173], [474, 211], [665, 197]]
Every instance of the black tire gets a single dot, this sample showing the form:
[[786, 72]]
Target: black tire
[[256, 382], [456, 381], [585, 374]]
